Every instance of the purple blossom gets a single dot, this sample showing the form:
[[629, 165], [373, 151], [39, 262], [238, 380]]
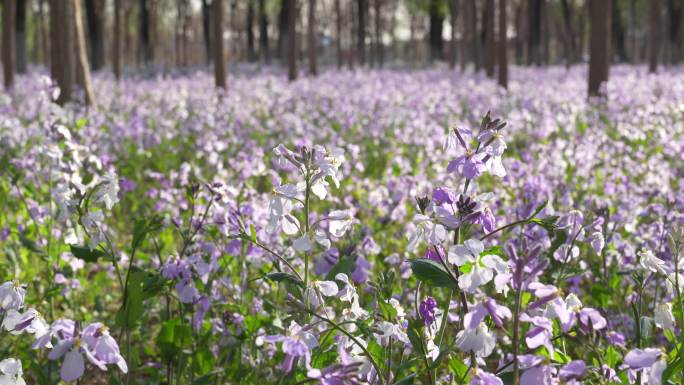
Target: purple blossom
[[427, 310]]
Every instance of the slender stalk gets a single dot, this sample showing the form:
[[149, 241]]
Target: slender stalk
[[516, 336]]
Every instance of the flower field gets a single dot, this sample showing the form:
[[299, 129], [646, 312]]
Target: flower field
[[370, 227]]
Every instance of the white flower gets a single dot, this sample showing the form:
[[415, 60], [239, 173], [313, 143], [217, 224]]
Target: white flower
[[108, 191], [302, 244], [390, 330], [650, 262], [280, 209], [348, 294], [12, 295], [92, 221], [495, 150], [339, 221], [11, 372], [478, 340], [663, 316], [324, 288], [481, 268], [426, 230]]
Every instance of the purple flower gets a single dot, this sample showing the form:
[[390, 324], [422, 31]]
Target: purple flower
[[540, 333], [590, 318], [615, 338], [298, 343], [443, 195], [427, 310], [481, 377], [642, 358], [537, 375], [337, 374], [470, 165], [488, 307], [573, 371], [94, 342]]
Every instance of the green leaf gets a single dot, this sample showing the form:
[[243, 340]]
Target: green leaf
[[548, 223], [432, 273], [674, 367], [285, 277], [31, 245], [85, 254], [494, 250], [408, 380], [539, 208], [131, 311], [458, 368], [252, 232]]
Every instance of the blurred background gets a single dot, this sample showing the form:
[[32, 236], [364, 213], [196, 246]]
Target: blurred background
[[172, 36]]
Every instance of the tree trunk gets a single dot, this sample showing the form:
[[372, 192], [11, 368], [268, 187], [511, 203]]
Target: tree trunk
[[503, 45], [674, 27], [263, 33], [292, 40], [436, 25], [361, 32], [618, 32], [83, 69], [570, 44], [219, 59], [117, 52], [534, 19], [338, 33], [474, 44], [489, 40], [21, 36], [8, 42], [379, 45], [312, 39], [453, 14], [145, 44], [44, 56], [94, 18], [251, 44], [599, 45], [63, 50], [654, 35], [206, 33], [283, 29]]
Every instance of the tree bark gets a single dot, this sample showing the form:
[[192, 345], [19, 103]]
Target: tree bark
[[436, 26], [21, 36], [251, 43], [219, 59], [490, 42], [338, 34], [473, 35], [379, 45], [674, 28], [117, 52], [654, 35], [94, 17], [283, 29], [292, 40], [534, 15], [361, 32], [570, 43], [618, 32], [145, 43], [453, 43], [599, 45], [62, 17], [503, 45], [83, 69], [312, 46], [206, 33], [8, 42], [263, 33]]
